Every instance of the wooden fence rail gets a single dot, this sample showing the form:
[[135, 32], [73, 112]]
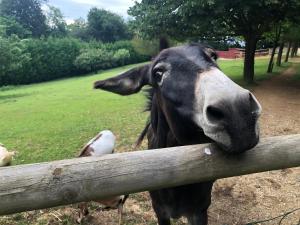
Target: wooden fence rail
[[44, 185]]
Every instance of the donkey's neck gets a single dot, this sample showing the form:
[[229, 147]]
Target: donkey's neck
[[160, 134]]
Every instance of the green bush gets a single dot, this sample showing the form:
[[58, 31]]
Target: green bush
[[51, 58], [37, 60], [94, 59], [13, 59], [121, 57], [97, 56], [135, 57]]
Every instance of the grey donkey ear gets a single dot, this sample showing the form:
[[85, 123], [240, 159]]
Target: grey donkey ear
[[126, 83], [211, 53]]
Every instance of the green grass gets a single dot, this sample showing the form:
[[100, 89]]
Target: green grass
[[234, 69], [53, 120]]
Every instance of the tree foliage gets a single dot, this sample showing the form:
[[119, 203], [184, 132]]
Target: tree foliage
[[38, 45], [207, 19], [28, 13], [56, 24], [78, 29], [9, 26], [106, 26]]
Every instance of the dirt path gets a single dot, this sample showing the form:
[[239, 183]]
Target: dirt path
[[280, 98], [261, 196]]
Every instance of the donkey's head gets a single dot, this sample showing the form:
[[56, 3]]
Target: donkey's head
[[195, 97]]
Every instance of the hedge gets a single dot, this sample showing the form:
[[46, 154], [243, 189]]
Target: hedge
[[37, 60]]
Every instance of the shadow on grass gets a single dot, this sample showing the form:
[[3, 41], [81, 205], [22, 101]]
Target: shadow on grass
[[7, 88], [11, 97]]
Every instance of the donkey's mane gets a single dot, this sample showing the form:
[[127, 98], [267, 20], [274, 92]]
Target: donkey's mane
[[149, 92]]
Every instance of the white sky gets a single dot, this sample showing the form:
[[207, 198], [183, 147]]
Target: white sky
[[73, 9]]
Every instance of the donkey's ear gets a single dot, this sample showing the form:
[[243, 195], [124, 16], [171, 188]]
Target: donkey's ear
[[211, 53], [163, 43], [126, 83]]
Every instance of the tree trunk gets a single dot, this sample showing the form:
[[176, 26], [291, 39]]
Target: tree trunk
[[294, 49], [249, 58], [276, 40], [288, 52], [279, 56], [270, 67]]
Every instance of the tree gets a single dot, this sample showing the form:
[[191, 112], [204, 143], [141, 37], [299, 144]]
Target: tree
[[106, 26], [78, 29], [295, 47], [274, 36], [293, 36], [28, 13], [288, 51], [10, 26], [56, 23], [285, 31], [212, 18]]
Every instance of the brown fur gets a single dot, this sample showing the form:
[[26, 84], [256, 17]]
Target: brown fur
[[87, 150]]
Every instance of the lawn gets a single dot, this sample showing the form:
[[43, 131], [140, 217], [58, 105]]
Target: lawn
[[53, 120]]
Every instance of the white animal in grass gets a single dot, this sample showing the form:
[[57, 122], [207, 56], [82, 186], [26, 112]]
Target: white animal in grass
[[5, 156], [102, 144]]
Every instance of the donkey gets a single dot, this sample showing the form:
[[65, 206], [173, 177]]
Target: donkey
[[191, 102]]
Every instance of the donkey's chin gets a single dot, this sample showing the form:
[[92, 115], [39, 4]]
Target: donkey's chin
[[225, 143]]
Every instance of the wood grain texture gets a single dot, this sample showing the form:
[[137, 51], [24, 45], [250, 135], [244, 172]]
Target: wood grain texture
[[44, 185]]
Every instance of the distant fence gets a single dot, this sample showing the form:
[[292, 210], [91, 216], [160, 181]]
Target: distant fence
[[44, 185], [234, 53]]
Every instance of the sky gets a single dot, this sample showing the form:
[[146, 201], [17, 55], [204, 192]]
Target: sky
[[73, 9]]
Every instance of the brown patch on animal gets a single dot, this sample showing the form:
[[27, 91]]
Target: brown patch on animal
[[87, 150]]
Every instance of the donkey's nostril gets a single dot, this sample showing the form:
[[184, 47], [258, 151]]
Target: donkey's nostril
[[214, 114]]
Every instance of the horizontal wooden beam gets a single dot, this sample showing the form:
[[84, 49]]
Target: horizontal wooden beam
[[44, 185]]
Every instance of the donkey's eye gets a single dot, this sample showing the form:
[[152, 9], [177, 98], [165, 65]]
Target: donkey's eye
[[158, 74]]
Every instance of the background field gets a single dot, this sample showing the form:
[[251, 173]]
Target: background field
[[53, 120]]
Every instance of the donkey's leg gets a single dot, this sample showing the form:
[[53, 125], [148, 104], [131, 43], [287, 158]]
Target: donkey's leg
[[162, 217], [198, 219], [163, 220]]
